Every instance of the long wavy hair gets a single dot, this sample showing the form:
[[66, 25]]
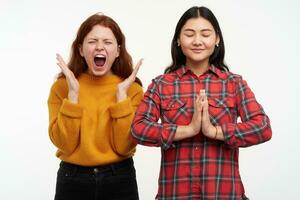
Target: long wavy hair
[[178, 58], [122, 65]]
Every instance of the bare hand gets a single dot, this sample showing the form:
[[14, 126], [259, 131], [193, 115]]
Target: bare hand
[[71, 79], [195, 124], [207, 128], [124, 85]]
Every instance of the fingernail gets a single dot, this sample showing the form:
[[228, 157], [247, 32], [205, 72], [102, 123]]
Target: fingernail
[[202, 92]]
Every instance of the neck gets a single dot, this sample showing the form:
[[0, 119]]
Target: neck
[[198, 68], [98, 80]]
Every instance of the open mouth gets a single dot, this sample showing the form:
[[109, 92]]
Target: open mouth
[[100, 60]]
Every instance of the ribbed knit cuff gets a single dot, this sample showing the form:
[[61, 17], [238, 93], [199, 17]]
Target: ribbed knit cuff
[[70, 109], [121, 109]]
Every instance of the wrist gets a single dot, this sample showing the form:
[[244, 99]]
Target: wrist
[[183, 132], [216, 133], [121, 95], [192, 130], [210, 131], [219, 133], [73, 97]]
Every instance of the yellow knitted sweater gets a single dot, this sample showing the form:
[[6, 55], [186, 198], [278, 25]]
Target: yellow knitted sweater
[[96, 131]]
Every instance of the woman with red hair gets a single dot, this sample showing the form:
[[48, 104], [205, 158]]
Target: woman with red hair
[[91, 107]]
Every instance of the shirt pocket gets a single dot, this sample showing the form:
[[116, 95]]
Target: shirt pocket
[[222, 110], [174, 111]]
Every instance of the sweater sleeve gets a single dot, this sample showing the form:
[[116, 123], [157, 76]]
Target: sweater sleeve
[[64, 121], [255, 127], [122, 114]]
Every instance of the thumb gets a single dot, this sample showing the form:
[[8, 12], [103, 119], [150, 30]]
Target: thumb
[[137, 67]]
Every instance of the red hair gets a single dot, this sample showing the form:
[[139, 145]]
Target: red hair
[[121, 67]]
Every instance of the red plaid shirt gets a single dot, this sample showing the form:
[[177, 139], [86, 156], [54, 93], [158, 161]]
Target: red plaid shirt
[[199, 167]]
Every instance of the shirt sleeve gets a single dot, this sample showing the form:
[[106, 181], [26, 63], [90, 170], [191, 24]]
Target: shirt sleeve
[[255, 127], [145, 127], [64, 122]]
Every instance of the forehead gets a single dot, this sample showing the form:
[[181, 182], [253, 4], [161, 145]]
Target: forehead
[[198, 23], [101, 32]]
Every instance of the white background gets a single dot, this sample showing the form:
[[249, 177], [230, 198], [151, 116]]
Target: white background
[[262, 44]]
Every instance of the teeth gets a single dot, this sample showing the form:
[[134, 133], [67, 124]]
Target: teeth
[[100, 56]]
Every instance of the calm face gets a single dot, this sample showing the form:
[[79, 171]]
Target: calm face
[[100, 49], [197, 40]]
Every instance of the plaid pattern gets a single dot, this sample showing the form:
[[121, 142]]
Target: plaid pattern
[[199, 167]]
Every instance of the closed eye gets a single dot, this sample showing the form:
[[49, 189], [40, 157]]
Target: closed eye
[[205, 35], [206, 32], [107, 42], [189, 35]]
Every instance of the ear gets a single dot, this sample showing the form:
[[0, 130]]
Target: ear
[[217, 40], [118, 51], [178, 42], [80, 50]]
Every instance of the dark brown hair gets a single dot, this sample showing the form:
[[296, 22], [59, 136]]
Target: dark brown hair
[[178, 58], [121, 67]]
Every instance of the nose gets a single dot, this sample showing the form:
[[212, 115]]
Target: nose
[[197, 40], [99, 45]]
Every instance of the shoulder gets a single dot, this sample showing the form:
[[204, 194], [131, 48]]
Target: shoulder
[[231, 77], [59, 84], [135, 88], [235, 81], [165, 78]]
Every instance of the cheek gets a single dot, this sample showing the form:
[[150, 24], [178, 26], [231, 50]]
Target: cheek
[[88, 57], [211, 48], [86, 53], [185, 46], [113, 52], [210, 44], [186, 42]]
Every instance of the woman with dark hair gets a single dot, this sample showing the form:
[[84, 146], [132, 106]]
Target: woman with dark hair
[[91, 107], [199, 101]]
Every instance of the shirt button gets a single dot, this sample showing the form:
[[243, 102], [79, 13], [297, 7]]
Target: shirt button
[[96, 170], [197, 148]]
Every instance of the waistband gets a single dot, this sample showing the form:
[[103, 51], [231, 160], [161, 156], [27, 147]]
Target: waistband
[[95, 169]]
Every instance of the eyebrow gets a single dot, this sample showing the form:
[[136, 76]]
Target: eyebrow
[[202, 30], [92, 38], [207, 29]]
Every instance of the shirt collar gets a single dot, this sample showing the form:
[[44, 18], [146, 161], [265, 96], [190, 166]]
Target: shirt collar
[[182, 71], [217, 72], [212, 69]]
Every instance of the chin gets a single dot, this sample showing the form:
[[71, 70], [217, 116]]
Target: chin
[[99, 73], [200, 58]]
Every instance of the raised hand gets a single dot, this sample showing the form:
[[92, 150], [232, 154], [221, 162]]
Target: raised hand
[[207, 128], [72, 82], [124, 85]]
